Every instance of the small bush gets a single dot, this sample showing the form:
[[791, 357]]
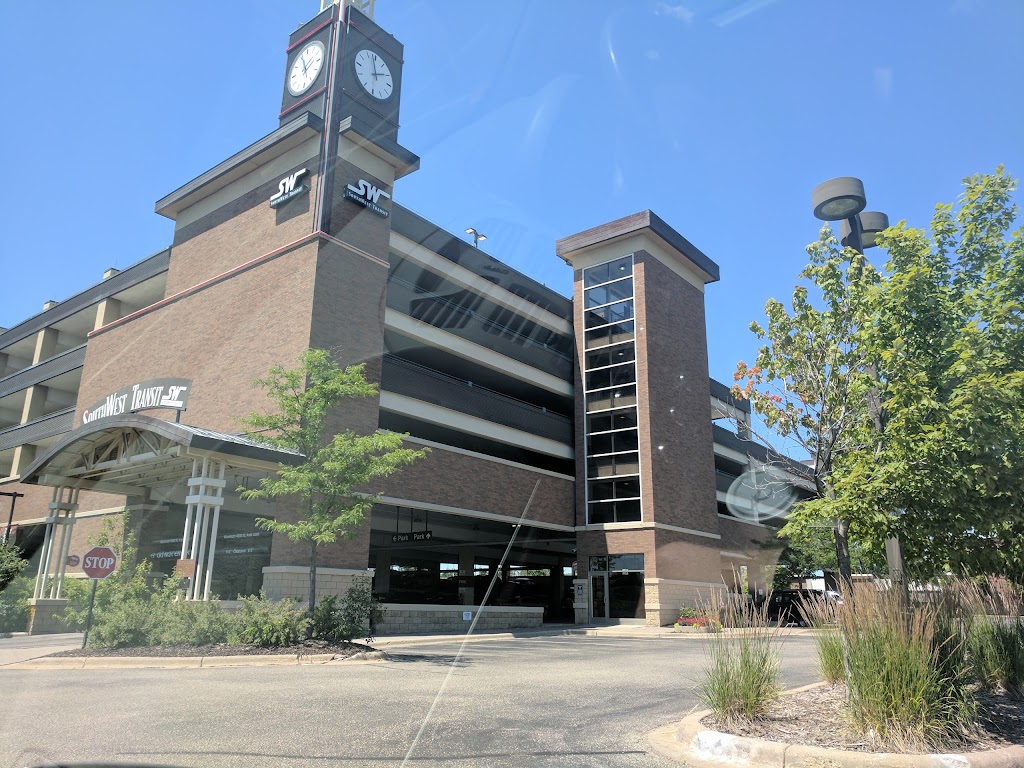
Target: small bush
[[14, 605], [11, 563], [354, 617], [271, 625], [196, 622], [741, 677]]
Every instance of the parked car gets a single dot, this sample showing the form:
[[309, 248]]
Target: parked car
[[784, 605]]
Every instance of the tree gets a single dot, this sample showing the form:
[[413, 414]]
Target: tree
[[906, 387], [331, 483], [810, 379], [11, 563], [942, 469]]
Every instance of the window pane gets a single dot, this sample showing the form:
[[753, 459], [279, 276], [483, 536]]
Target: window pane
[[618, 464], [612, 334], [627, 511], [613, 313], [601, 513], [606, 294], [610, 356], [610, 271], [632, 562], [599, 444]]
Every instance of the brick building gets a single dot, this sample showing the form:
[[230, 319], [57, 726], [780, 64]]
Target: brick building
[[580, 430]]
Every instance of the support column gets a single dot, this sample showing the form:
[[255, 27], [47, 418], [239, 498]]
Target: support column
[[206, 497], [107, 311], [466, 577], [382, 574]]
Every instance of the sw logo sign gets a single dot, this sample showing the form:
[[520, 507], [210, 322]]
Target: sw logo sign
[[367, 195], [287, 189]]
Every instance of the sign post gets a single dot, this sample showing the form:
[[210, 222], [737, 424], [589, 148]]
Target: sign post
[[98, 563]]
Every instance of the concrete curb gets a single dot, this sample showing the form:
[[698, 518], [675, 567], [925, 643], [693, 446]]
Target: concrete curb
[[691, 744], [173, 662]]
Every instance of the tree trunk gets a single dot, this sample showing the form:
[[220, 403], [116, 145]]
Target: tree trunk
[[843, 552], [312, 586]]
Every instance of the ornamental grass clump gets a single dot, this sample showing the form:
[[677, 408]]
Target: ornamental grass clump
[[741, 675], [996, 636], [820, 613], [907, 671]]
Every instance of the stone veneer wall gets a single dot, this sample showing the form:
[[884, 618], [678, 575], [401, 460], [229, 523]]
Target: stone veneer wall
[[664, 598], [281, 581], [404, 619], [44, 616]]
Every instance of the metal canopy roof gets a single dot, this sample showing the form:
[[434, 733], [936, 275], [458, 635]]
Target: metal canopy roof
[[128, 454]]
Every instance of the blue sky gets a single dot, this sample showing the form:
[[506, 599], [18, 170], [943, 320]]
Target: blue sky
[[534, 120]]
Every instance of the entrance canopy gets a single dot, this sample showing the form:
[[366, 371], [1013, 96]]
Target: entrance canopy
[[131, 455], [128, 454]]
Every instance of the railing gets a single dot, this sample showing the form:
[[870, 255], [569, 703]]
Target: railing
[[51, 424], [35, 374], [406, 378]]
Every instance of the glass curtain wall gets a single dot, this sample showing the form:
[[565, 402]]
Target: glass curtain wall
[[609, 380]]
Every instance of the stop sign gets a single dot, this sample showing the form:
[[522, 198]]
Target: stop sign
[[99, 562]]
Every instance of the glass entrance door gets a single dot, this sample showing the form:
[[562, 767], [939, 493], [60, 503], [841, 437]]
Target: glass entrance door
[[617, 587]]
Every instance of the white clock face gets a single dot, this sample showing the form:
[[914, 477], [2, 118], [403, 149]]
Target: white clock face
[[305, 68], [374, 75]]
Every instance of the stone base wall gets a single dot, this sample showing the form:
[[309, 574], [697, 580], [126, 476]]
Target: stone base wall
[[281, 581], [664, 597], [581, 600], [43, 613], [405, 619]]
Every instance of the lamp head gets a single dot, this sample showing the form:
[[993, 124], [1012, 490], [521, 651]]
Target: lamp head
[[838, 198]]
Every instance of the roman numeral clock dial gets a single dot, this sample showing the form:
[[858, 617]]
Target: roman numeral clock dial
[[373, 74], [306, 68]]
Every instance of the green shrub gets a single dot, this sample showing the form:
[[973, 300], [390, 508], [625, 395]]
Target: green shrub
[[907, 671], [268, 624], [353, 617], [741, 676], [686, 612], [14, 605], [11, 563], [195, 622]]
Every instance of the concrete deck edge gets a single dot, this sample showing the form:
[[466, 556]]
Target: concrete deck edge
[[689, 743]]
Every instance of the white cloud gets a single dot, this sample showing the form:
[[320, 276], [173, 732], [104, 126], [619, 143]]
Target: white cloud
[[680, 12], [883, 82]]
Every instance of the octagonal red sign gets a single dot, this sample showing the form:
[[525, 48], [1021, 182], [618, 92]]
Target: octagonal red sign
[[99, 562]]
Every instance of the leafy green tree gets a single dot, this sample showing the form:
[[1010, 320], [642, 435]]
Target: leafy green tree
[[810, 378], [906, 387], [942, 466], [331, 484], [11, 563]]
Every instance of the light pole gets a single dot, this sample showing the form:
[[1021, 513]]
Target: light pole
[[842, 199], [10, 518], [477, 236]]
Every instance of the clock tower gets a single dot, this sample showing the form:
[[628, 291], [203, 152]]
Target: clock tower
[[342, 62]]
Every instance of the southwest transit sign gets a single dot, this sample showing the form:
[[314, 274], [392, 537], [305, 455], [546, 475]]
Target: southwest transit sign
[[154, 393]]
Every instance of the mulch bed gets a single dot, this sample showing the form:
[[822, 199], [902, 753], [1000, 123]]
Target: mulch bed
[[817, 718], [304, 648]]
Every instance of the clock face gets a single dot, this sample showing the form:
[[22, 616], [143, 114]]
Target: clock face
[[374, 75], [305, 68]]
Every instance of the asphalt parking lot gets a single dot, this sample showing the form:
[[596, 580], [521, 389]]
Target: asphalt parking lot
[[545, 701]]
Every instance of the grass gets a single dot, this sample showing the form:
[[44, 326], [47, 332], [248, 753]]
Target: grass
[[741, 674], [907, 671]]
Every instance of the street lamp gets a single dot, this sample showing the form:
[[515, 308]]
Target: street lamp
[[477, 236], [842, 199]]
